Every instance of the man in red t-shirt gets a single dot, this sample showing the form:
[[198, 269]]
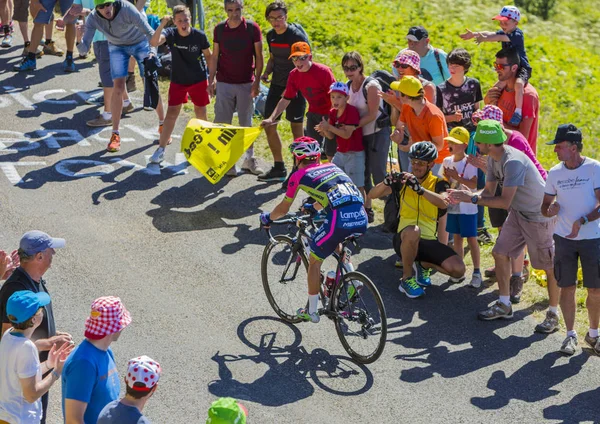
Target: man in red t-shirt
[[237, 61], [507, 67], [313, 81]]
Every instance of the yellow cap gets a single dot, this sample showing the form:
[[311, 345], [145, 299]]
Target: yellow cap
[[458, 135], [408, 85]]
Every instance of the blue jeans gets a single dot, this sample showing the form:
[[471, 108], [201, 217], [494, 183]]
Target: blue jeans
[[119, 58]]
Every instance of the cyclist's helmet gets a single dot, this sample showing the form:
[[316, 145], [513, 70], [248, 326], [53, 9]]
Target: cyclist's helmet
[[305, 147], [340, 87], [423, 150]]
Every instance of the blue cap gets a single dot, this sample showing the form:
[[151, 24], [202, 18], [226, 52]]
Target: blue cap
[[24, 304], [35, 241]]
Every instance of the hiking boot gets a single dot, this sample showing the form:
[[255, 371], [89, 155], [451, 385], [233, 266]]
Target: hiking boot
[[410, 288], [130, 83], [38, 53], [130, 108], [251, 165], [158, 156], [569, 345], [97, 100], [515, 120], [496, 311], [549, 325], [99, 121], [26, 64], [484, 237], [115, 143], [516, 288], [303, 314], [594, 343], [370, 215], [423, 275], [476, 280], [273, 175], [68, 65], [51, 49], [490, 272], [7, 41]]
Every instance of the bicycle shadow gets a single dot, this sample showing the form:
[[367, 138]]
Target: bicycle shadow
[[290, 367]]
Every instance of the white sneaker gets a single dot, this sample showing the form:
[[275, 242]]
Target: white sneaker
[[233, 171], [476, 281], [251, 165], [158, 156]]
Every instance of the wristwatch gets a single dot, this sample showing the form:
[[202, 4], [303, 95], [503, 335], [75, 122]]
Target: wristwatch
[[475, 199]]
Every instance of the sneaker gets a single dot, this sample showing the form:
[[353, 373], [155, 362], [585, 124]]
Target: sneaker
[[370, 215], [490, 272], [99, 121], [25, 65], [484, 237], [251, 165], [303, 314], [130, 83], [129, 108], [97, 100], [569, 345], [516, 288], [525, 270], [423, 275], [273, 175], [51, 49], [160, 130], [594, 343], [496, 311], [7, 40], [115, 143], [549, 325], [158, 156], [353, 290], [410, 288], [476, 280], [68, 65], [458, 280], [515, 120], [233, 171]]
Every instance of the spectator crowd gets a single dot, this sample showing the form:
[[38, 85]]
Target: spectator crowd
[[458, 152]]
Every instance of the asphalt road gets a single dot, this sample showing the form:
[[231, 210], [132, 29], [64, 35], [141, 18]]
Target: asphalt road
[[184, 255]]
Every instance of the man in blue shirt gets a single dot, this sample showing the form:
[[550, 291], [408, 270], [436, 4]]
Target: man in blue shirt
[[433, 61], [90, 379]]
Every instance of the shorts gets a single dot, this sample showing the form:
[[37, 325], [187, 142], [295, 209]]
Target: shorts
[[103, 58], [353, 164], [567, 253], [47, 16], [524, 74], [294, 113], [178, 94], [518, 231], [430, 251], [328, 146], [21, 11], [464, 225], [338, 224], [119, 58]]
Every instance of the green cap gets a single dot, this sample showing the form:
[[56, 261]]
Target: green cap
[[489, 131], [226, 411], [99, 2]]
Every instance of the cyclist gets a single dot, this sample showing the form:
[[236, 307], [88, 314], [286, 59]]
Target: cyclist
[[342, 205], [422, 201]]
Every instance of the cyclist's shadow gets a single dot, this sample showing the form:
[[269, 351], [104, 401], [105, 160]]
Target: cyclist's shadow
[[290, 367]]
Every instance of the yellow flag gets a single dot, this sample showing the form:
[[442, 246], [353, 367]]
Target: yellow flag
[[214, 148]]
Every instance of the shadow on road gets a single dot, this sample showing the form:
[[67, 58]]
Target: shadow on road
[[290, 367], [584, 407]]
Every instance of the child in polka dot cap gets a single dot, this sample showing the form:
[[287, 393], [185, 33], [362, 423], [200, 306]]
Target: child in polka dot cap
[[142, 374]]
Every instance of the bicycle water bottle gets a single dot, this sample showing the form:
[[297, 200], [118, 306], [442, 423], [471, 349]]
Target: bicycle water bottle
[[306, 245], [329, 282]]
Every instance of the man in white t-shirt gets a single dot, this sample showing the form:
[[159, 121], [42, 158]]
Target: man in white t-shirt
[[573, 194]]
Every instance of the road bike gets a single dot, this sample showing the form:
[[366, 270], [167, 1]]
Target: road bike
[[351, 300]]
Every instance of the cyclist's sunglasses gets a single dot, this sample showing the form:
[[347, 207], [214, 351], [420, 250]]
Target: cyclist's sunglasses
[[104, 5]]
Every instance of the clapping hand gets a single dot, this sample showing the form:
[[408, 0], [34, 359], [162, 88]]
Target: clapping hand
[[8, 263]]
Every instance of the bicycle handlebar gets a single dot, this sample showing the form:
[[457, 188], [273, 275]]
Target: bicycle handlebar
[[301, 221]]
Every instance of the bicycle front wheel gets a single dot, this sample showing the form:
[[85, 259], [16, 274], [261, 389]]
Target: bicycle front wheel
[[360, 318], [284, 276]]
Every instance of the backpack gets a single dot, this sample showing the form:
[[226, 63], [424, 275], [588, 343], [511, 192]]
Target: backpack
[[425, 73], [384, 78]]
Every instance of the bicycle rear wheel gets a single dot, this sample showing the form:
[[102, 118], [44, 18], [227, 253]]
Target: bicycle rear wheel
[[360, 320], [284, 276]]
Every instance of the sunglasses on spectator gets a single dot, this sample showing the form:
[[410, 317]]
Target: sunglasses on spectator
[[103, 5], [350, 68], [299, 58], [500, 66], [417, 162], [276, 18], [401, 65]]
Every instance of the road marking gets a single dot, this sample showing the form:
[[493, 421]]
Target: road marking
[[96, 136], [5, 101], [40, 97], [52, 137], [10, 170], [19, 97]]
